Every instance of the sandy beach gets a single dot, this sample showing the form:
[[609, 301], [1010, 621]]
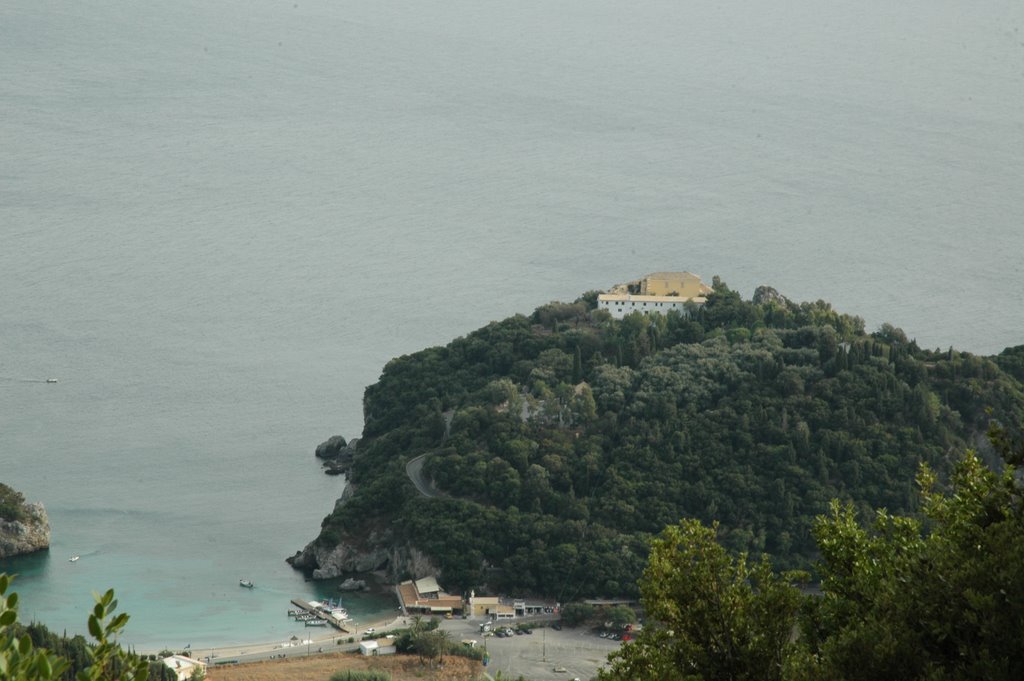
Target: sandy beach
[[312, 644]]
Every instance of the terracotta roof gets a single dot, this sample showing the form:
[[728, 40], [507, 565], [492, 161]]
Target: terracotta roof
[[411, 598]]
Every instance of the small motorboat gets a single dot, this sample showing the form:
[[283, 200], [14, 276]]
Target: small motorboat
[[51, 380], [247, 583], [72, 559]]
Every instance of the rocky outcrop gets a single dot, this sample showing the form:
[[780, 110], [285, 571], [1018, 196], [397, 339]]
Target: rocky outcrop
[[352, 584], [365, 554], [346, 494], [327, 562], [28, 534], [331, 561], [329, 448], [371, 550], [337, 454], [766, 294]]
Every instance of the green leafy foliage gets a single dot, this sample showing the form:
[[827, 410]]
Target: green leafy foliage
[[12, 504], [718, 617], [751, 415], [33, 653], [19, 658], [575, 614], [620, 615], [431, 644], [937, 598], [904, 602], [108, 660]]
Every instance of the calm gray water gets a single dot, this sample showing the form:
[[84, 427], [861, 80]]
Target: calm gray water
[[218, 220]]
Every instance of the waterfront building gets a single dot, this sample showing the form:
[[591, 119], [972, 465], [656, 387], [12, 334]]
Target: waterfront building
[[183, 667], [656, 293], [424, 596]]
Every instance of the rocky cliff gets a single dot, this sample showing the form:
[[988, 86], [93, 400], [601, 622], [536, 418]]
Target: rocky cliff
[[368, 553], [368, 550], [27, 534]]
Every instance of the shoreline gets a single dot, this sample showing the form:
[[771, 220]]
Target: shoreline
[[383, 620], [201, 652]]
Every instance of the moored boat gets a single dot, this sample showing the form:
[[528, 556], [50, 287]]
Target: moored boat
[[247, 583]]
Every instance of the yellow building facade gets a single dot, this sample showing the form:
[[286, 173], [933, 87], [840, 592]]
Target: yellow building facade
[[682, 284], [659, 292]]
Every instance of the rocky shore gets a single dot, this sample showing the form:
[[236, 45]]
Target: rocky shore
[[26, 534], [369, 549], [372, 550], [337, 454]]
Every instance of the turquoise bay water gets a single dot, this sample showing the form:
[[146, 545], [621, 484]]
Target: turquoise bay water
[[219, 220]]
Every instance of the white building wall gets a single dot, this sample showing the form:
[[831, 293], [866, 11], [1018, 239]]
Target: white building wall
[[620, 308], [378, 647]]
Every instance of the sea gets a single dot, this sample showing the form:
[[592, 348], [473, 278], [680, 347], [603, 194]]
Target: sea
[[219, 219]]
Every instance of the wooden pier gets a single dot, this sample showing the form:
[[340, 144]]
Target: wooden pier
[[322, 614]]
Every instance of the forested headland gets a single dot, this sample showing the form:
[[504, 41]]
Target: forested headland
[[563, 442]]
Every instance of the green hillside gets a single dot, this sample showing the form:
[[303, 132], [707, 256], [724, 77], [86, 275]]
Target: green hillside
[[561, 443]]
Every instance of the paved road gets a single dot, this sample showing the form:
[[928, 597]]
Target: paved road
[[414, 469], [535, 656], [298, 650]]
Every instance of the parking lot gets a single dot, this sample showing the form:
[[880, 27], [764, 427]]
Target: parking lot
[[536, 656]]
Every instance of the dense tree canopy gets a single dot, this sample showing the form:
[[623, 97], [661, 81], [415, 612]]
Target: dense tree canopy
[[12, 504], [563, 442], [904, 599], [716, 617]]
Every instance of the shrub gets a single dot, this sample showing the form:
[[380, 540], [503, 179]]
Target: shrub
[[360, 675], [463, 650], [12, 504]]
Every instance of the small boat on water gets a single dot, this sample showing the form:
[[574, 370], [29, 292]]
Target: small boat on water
[[247, 583], [72, 559], [51, 380], [316, 623]]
